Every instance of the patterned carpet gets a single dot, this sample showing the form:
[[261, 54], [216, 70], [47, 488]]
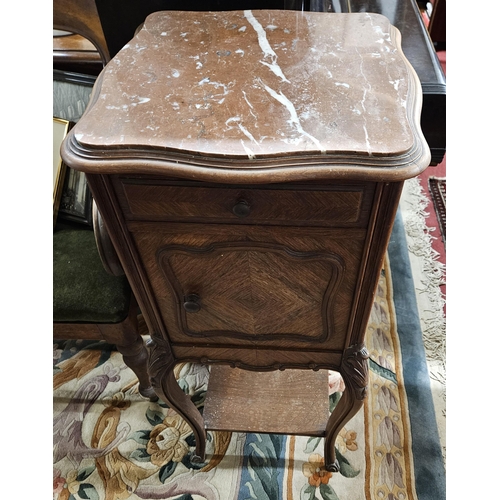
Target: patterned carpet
[[428, 264], [437, 188], [110, 443]]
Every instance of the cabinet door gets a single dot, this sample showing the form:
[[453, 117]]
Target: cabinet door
[[252, 285]]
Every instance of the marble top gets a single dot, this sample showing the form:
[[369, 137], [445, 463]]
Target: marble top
[[256, 83]]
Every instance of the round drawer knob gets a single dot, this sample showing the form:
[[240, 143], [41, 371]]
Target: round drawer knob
[[192, 303], [241, 209]]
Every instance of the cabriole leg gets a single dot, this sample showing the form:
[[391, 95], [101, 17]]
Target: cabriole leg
[[354, 371], [161, 370]]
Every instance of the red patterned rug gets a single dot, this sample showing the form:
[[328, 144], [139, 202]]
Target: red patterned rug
[[437, 189]]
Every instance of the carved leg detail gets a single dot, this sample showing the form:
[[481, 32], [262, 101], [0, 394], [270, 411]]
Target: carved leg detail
[[354, 371], [161, 370]]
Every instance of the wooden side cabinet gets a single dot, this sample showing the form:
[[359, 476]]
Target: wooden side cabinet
[[248, 166]]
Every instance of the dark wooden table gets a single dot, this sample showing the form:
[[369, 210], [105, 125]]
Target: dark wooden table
[[248, 166]]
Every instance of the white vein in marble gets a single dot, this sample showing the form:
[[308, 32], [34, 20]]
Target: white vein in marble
[[340, 83], [265, 46]]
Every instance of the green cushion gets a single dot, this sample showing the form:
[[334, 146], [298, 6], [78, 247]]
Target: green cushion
[[83, 291]]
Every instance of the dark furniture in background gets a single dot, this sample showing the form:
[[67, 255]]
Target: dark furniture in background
[[81, 17], [437, 24], [92, 299], [74, 53]]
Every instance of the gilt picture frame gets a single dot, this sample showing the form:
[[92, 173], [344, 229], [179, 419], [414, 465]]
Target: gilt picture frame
[[60, 130], [76, 200]]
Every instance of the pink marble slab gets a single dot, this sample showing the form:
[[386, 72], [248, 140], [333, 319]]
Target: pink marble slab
[[255, 84]]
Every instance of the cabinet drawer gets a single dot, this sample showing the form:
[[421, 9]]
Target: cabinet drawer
[[342, 205]]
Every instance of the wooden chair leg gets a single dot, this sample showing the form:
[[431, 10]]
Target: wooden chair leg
[[130, 344]]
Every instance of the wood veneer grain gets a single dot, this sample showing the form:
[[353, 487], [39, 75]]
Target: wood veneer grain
[[243, 401]]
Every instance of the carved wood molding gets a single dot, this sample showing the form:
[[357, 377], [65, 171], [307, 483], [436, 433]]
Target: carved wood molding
[[355, 368], [260, 368]]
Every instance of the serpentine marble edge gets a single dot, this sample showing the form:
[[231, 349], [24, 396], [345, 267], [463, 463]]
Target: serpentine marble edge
[[250, 84]]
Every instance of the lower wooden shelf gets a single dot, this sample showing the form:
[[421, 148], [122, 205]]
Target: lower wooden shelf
[[278, 402]]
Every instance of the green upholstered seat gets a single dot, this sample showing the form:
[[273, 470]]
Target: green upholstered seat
[[83, 291]]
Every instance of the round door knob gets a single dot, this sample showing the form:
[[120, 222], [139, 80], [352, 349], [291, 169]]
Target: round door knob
[[192, 303], [241, 209]]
